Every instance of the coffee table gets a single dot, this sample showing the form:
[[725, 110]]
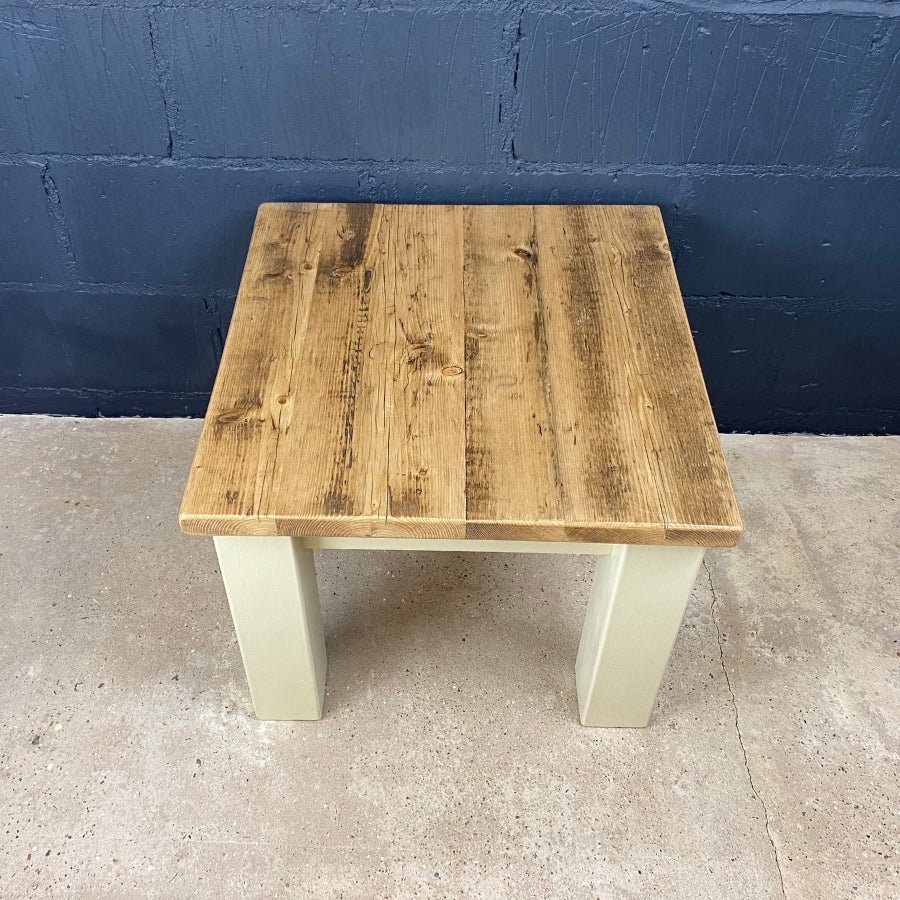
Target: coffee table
[[501, 378]]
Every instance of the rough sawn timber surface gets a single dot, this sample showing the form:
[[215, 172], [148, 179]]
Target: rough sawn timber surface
[[483, 372]]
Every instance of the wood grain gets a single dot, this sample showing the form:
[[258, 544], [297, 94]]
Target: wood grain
[[697, 498], [496, 373], [512, 470], [236, 455]]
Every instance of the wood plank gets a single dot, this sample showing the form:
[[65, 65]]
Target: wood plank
[[552, 446], [512, 470], [695, 490], [329, 474], [607, 476], [234, 459], [423, 252], [378, 392]]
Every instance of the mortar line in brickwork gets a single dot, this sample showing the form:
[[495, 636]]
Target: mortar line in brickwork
[[758, 9], [406, 167], [110, 288], [791, 303], [439, 7], [102, 392]]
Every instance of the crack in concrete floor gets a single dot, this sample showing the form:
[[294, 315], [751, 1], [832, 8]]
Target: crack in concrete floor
[[737, 724]]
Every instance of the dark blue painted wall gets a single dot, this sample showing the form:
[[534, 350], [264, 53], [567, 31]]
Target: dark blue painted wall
[[137, 139]]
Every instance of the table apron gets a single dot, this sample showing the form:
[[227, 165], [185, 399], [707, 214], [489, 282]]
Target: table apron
[[471, 546]]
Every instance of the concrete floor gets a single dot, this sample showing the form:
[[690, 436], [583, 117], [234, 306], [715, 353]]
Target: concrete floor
[[450, 761]]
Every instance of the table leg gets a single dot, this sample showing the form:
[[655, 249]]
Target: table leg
[[274, 600], [634, 613]]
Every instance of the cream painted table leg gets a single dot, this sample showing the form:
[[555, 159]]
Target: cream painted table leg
[[274, 600], [637, 603]]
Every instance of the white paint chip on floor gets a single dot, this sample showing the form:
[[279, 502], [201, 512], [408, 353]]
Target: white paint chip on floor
[[450, 761]]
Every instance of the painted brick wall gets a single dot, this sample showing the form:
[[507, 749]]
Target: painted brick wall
[[137, 139]]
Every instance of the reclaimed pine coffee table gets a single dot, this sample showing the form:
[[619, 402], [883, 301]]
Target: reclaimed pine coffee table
[[512, 379]]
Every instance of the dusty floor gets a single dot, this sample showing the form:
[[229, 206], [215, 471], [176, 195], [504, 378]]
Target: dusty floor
[[450, 761]]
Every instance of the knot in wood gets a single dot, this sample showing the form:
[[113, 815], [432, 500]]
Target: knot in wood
[[525, 253], [237, 414], [419, 352]]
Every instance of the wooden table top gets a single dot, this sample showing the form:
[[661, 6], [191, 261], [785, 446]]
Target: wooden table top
[[490, 372]]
